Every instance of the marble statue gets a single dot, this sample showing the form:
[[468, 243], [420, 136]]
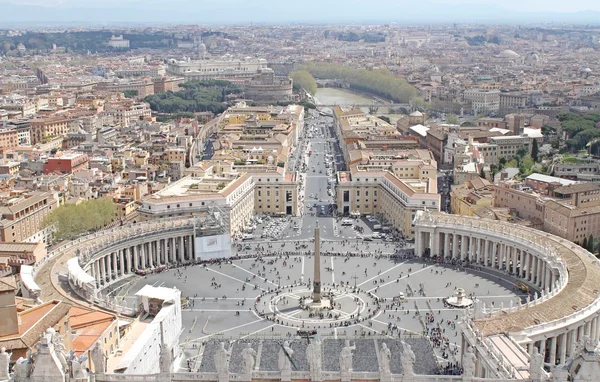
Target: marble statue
[[4, 363], [408, 360], [536, 365], [221, 359], [76, 366], [98, 358], [468, 363], [560, 374], [59, 349], [285, 355], [384, 359], [314, 357], [22, 369], [346, 357], [248, 355]]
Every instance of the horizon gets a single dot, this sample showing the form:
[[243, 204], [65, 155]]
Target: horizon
[[266, 12]]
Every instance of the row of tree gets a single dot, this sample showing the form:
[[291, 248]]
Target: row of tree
[[196, 96], [379, 82], [304, 80], [71, 220]]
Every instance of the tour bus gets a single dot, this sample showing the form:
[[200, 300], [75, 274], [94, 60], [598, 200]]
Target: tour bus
[[346, 222]]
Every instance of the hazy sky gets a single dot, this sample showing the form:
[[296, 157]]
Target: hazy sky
[[272, 11]]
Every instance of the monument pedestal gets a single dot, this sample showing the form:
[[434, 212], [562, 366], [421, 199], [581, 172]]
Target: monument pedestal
[[286, 375], [385, 376], [345, 376]]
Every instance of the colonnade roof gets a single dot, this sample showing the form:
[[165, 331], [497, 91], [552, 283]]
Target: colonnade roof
[[581, 290], [583, 269]]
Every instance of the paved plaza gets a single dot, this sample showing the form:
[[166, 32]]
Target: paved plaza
[[252, 298]]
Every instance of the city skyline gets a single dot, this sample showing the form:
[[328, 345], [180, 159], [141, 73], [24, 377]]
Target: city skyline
[[267, 11]]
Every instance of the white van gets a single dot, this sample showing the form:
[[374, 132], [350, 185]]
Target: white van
[[346, 222], [247, 236], [377, 226]]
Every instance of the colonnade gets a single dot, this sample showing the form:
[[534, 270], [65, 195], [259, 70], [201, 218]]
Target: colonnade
[[556, 348], [493, 252], [141, 255]]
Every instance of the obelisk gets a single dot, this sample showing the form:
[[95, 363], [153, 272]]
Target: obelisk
[[316, 297]]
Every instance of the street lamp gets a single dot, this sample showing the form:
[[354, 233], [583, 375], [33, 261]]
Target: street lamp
[[355, 277]]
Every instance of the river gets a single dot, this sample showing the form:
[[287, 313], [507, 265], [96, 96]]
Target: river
[[339, 96]]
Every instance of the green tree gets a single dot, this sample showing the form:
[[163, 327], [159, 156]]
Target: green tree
[[585, 243], [590, 243], [130, 93], [535, 150], [482, 172], [71, 220], [452, 119], [305, 80], [379, 82]]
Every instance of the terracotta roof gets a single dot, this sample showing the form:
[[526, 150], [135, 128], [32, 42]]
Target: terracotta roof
[[34, 322]]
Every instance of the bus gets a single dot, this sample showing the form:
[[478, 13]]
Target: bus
[[346, 222]]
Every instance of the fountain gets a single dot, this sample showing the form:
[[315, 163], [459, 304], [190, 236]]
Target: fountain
[[459, 299]]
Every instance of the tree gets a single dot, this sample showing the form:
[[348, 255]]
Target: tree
[[585, 243], [452, 119], [379, 82], [130, 93], [71, 220], [534, 150], [482, 172], [590, 243], [305, 80]]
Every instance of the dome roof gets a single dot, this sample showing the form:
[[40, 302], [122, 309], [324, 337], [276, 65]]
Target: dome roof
[[416, 114], [509, 54]]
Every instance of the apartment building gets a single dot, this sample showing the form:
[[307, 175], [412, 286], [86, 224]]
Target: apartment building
[[23, 216], [195, 196], [45, 128], [66, 162], [467, 198], [483, 101], [571, 211], [9, 138], [369, 192]]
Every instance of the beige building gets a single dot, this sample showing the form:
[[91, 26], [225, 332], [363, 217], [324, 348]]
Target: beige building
[[23, 216], [195, 196], [467, 198], [368, 192], [44, 128], [571, 212]]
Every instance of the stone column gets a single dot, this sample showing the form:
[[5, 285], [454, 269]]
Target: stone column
[[102, 270], [552, 356], [115, 266], [562, 353], [454, 246], [446, 244], [316, 296], [515, 260], [418, 251], [143, 256], [190, 248], [543, 348], [493, 253], [122, 260], [96, 270], [135, 258], [181, 254], [486, 245]]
